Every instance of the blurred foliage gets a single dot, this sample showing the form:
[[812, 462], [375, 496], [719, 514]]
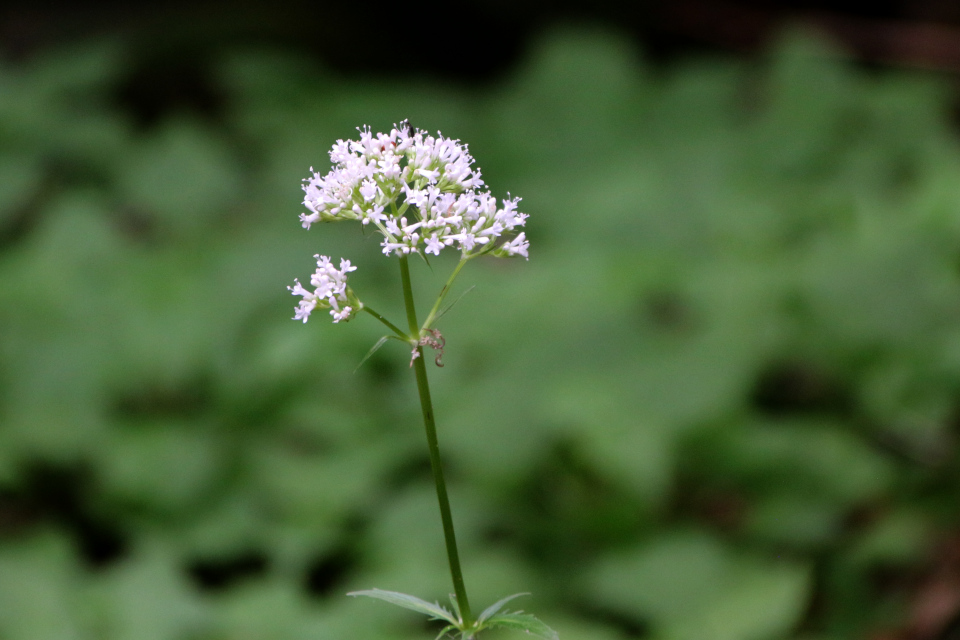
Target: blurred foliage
[[720, 401]]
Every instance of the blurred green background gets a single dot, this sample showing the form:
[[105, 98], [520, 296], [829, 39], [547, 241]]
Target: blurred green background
[[720, 402]]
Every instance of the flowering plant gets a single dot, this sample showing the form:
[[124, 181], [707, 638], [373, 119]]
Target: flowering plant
[[423, 195]]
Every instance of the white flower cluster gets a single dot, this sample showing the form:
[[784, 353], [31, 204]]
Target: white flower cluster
[[330, 291], [420, 191]]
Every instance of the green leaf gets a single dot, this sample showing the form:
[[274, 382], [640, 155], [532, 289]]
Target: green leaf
[[435, 611], [496, 606], [374, 349], [690, 585], [523, 622], [452, 304], [456, 606], [194, 177], [447, 629]]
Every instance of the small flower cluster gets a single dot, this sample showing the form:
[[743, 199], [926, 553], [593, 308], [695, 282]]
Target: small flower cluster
[[420, 191], [330, 291]]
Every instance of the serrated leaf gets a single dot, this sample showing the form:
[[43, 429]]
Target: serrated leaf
[[523, 622], [496, 606], [434, 610]]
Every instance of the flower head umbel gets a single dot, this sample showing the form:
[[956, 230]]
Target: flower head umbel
[[421, 192], [330, 291]]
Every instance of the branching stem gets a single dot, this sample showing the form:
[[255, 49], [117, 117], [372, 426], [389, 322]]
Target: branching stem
[[443, 294], [389, 324]]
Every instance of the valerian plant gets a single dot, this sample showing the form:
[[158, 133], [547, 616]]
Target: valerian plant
[[423, 195]]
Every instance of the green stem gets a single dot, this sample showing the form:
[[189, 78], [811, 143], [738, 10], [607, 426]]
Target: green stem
[[408, 298], [389, 324], [427, 406], [443, 294]]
